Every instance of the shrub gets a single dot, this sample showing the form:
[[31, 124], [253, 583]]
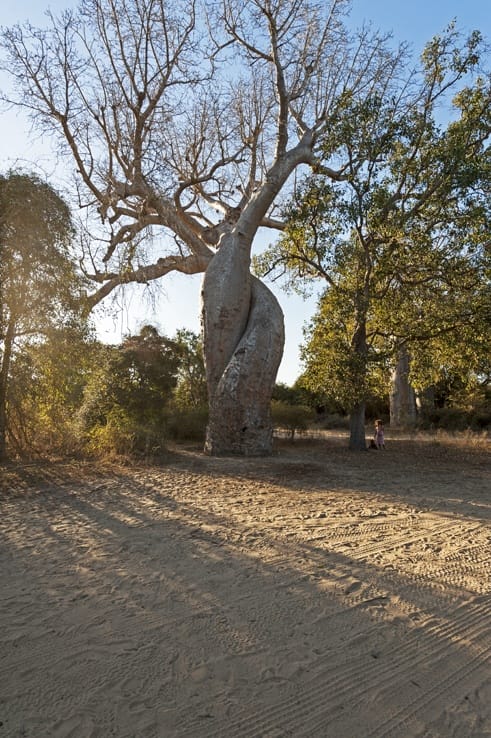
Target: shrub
[[333, 421], [120, 435], [455, 419], [187, 424], [291, 418]]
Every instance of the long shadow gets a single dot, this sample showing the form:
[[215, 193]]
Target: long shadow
[[128, 537], [423, 474]]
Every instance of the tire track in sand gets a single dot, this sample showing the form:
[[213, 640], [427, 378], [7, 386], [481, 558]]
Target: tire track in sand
[[458, 645]]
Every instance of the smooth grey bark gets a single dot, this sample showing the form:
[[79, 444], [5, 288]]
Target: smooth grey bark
[[243, 344], [243, 329], [402, 396]]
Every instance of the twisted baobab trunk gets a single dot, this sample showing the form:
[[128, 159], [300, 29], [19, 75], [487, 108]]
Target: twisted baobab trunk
[[243, 345]]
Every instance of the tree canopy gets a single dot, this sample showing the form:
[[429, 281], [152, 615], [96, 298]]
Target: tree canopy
[[402, 239], [40, 288]]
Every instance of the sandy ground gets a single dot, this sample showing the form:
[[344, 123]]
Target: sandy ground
[[315, 593]]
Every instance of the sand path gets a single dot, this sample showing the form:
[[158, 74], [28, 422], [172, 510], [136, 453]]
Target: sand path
[[316, 593]]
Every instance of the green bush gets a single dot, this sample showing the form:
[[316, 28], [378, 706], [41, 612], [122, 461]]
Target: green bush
[[455, 419], [291, 418], [480, 419], [120, 435], [187, 424], [333, 421]]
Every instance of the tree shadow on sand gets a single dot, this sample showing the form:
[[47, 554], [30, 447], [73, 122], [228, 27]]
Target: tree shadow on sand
[[298, 595]]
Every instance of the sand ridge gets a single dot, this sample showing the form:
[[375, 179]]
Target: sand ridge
[[314, 593]]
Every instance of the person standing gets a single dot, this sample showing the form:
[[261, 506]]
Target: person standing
[[378, 436]]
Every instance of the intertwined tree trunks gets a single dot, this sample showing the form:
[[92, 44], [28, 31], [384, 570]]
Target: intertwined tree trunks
[[243, 339]]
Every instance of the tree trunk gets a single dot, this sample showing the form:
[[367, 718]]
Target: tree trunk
[[4, 373], [357, 440], [425, 400], [402, 397], [3, 425], [243, 338], [359, 348]]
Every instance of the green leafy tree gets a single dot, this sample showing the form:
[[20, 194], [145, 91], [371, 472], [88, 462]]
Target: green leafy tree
[[47, 383], [39, 285], [343, 353], [392, 238], [296, 395], [189, 412], [127, 399], [191, 390]]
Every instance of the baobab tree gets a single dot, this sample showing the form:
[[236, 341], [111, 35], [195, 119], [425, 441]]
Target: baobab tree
[[185, 122]]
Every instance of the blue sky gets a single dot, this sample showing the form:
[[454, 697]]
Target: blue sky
[[415, 21], [418, 20], [412, 19]]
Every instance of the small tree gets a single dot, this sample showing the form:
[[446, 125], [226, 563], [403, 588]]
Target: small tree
[[191, 391], [47, 382], [127, 398], [292, 418], [39, 285]]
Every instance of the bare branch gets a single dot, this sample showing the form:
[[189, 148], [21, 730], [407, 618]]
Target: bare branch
[[144, 274], [171, 129]]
